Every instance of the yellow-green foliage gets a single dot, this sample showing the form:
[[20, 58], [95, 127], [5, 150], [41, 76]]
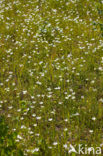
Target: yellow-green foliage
[[51, 74]]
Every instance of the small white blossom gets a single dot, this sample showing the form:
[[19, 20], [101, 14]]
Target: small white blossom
[[38, 117], [50, 119], [94, 118], [24, 92], [55, 143], [91, 131], [65, 146]]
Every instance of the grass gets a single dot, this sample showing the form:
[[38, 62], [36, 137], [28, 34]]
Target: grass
[[51, 76]]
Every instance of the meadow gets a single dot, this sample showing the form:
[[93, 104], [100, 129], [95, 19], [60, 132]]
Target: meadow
[[51, 76]]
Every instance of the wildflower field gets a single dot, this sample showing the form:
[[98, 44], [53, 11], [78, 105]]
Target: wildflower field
[[51, 76]]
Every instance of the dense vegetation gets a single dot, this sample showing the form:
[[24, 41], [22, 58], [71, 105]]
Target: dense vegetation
[[51, 76]]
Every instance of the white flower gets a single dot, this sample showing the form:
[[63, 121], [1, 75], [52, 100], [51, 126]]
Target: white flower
[[57, 88], [38, 82], [101, 100], [66, 120], [92, 81], [100, 68], [33, 115], [91, 131], [55, 143], [82, 97], [53, 112], [73, 97], [35, 150], [69, 55], [50, 119], [23, 127], [35, 125], [50, 147], [18, 110], [67, 80], [76, 114], [32, 97], [13, 84], [21, 118], [10, 107], [31, 132], [66, 97], [24, 92], [19, 137], [38, 117], [9, 115], [93, 118], [37, 134], [65, 146], [49, 96], [101, 144], [40, 62], [65, 129], [41, 103]]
